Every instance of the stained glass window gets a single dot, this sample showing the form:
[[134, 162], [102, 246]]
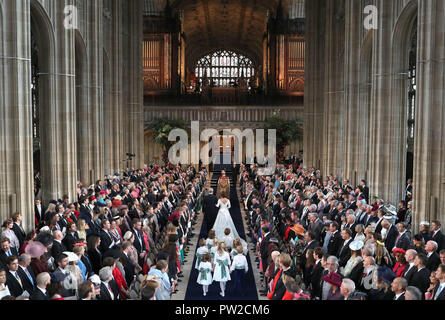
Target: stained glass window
[[224, 68]]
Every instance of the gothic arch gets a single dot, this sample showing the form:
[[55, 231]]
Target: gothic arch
[[43, 31], [400, 83]]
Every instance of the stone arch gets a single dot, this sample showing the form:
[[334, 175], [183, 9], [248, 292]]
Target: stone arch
[[82, 112], [45, 39], [400, 83]]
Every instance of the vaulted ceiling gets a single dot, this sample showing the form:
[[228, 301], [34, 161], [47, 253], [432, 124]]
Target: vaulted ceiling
[[238, 25]]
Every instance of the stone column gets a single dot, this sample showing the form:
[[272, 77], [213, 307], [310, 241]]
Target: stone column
[[314, 83], [334, 88], [63, 139], [352, 126], [429, 145], [387, 108], [133, 81], [16, 145], [116, 63], [95, 59]]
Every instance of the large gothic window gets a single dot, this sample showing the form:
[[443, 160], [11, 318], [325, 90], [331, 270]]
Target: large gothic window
[[224, 68], [35, 109], [412, 87]]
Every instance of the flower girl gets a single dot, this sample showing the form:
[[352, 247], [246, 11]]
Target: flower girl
[[205, 273], [221, 267], [239, 268], [202, 250]]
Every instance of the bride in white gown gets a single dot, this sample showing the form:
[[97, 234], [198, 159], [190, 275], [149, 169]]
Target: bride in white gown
[[224, 220]]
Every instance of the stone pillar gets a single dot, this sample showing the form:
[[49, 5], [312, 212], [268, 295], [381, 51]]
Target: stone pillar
[[388, 107], [95, 59], [429, 144], [314, 83], [133, 81], [116, 106], [334, 88], [16, 145], [63, 138], [352, 126]]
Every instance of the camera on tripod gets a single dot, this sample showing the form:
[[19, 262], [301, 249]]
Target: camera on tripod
[[130, 156]]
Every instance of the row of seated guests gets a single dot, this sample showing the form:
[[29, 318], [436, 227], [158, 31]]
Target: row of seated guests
[[340, 247], [124, 224]]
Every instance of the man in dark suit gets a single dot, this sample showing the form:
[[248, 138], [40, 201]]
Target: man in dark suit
[[438, 235], [13, 280], [439, 291], [210, 210], [6, 251], [264, 244], [107, 286], [421, 279], [403, 240], [344, 253], [433, 259], [315, 225], [39, 211], [317, 273], [371, 218], [139, 242], [61, 273], [411, 268], [391, 234], [128, 265], [26, 274], [335, 240], [71, 237], [58, 247], [106, 240], [40, 293], [398, 286], [18, 229]]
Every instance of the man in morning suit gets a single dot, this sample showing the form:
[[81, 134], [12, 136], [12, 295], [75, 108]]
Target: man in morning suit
[[6, 251], [335, 240]]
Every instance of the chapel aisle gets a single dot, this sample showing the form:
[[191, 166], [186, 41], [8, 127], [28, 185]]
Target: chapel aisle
[[194, 290]]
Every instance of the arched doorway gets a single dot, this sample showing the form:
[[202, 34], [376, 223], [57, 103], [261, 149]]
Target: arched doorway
[[44, 116]]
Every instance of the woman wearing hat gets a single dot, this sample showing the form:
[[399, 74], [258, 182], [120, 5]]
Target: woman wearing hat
[[132, 253], [401, 262], [383, 279], [334, 281], [36, 250], [354, 260], [382, 257]]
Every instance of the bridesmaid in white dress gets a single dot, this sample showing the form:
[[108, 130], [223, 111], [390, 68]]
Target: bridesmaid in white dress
[[205, 274], [221, 267]]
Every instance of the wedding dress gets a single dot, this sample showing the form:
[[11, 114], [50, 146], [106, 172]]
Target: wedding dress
[[224, 220]]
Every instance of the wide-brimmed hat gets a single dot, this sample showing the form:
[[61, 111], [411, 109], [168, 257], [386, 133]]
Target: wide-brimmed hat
[[35, 249], [298, 229], [386, 274], [356, 245], [333, 278], [71, 256], [398, 250]]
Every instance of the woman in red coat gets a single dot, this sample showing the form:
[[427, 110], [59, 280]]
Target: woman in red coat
[[401, 262]]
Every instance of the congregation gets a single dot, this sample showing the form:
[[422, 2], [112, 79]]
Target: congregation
[[325, 239], [127, 237]]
